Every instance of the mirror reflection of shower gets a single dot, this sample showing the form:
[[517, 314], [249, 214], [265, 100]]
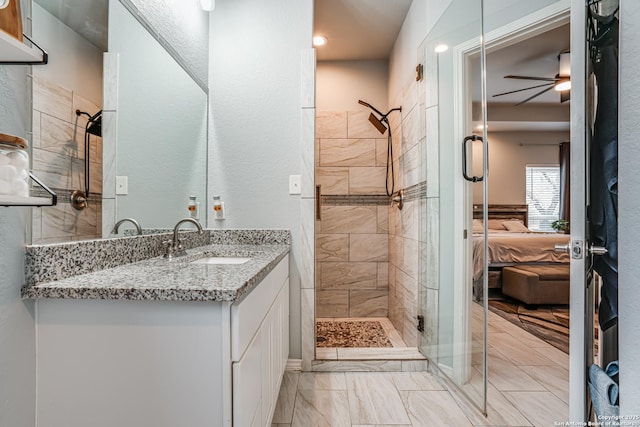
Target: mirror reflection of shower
[[79, 199], [382, 124]]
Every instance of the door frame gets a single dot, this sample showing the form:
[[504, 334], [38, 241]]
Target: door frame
[[543, 20]]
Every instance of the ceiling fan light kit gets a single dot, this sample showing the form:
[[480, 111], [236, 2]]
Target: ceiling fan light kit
[[563, 85], [561, 82]]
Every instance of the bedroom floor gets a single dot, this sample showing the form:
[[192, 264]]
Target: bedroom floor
[[528, 386]]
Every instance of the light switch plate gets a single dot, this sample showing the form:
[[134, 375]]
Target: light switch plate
[[122, 185], [295, 184]]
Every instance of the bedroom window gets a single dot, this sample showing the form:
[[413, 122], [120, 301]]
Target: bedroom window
[[543, 196]]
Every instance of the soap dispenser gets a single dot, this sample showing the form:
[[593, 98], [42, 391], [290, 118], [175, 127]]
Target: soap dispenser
[[218, 208], [193, 207]]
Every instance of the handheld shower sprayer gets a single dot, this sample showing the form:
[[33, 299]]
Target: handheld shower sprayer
[[382, 124]]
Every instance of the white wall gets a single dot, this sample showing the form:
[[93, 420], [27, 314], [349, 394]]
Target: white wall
[[629, 203], [73, 62], [403, 58], [255, 107], [507, 161], [340, 84], [17, 326]]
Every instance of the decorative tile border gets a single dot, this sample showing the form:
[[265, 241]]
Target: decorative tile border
[[355, 200], [414, 192]]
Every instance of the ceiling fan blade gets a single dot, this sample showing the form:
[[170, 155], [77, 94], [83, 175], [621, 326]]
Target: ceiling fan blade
[[520, 90], [565, 96], [542, 79], [534, 96]]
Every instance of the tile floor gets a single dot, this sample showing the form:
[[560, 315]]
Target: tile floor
[[528, 386]]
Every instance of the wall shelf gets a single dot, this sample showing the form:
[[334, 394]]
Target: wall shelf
[[12, 51], [24, 201], [31, 201]]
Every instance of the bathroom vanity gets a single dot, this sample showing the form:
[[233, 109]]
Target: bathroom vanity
[[165, 343]]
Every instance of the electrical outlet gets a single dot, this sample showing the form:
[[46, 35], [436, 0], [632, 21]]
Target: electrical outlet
[[122, 185], [295, 184]]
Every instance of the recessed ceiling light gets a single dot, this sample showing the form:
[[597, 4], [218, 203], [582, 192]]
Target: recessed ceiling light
[[319, 41], [4, 3], [441, 48]]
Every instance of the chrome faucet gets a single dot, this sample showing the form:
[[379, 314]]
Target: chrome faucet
[[131, 220], [174, 247]]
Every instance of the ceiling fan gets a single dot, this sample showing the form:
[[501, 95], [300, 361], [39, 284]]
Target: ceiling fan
[[561, 82]]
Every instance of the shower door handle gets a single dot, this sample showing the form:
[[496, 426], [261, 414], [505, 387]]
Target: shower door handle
[[464, 159]]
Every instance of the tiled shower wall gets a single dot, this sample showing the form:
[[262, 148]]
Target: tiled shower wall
[[407, 235], [58, 160], [352, 232]]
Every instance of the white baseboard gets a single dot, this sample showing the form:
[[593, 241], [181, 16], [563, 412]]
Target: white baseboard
[[294, 365]]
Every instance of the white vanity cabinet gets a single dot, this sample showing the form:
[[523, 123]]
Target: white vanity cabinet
[[126, 363], [259, 351]]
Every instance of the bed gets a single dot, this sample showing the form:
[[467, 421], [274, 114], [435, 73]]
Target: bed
[[516, 246]]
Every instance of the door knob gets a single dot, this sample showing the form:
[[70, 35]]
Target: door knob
[[575, 249], [597, 250], [563, 248]]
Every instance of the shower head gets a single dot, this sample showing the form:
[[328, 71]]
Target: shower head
[[377, 123], [361, 102], [94, 123], [95, 126]]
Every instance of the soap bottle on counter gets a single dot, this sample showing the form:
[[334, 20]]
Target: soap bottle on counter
[[218, 208], [193, 207]]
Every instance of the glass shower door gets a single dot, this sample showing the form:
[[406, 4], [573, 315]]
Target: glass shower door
[[454, 332]]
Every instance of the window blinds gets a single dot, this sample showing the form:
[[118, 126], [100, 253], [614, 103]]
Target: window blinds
[[543, 196]]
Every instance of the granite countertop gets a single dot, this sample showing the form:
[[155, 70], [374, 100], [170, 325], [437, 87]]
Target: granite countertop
[[171, 280]]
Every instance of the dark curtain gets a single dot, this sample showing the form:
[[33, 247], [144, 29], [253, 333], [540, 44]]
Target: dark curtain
[[565, 173]]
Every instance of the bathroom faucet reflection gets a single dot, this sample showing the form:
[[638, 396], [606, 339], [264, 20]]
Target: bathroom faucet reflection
[[131, 220], [174, 247]]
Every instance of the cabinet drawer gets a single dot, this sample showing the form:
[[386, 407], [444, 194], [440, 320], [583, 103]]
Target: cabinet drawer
[[248, 314]]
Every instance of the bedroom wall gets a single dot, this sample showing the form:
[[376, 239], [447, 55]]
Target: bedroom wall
[[509, 153]]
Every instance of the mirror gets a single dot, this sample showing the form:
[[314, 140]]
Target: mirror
[[154, 124], [161, 127]]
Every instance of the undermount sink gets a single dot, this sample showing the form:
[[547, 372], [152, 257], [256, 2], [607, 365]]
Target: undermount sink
[[221, 260]]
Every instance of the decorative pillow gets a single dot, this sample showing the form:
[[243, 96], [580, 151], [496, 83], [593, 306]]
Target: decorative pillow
[[496, 224], [515, 225], [478, 227]]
